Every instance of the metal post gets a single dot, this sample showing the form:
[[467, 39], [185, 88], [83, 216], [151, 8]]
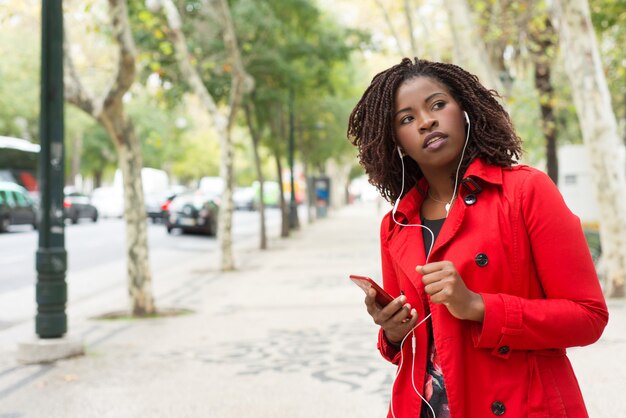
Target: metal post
[[51, 291], [294, 223]]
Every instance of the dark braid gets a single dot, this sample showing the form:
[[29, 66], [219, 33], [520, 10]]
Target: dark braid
[[370, 126]]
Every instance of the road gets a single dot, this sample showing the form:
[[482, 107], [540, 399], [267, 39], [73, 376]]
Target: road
[[97, 257]]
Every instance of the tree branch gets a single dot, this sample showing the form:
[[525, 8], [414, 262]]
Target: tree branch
[[125, 75], [74, 91], [241, 81], [186, 67]]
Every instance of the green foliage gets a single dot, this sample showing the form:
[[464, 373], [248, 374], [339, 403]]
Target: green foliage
[[19, 82], [297, 48], [519, 26], [159, 128]]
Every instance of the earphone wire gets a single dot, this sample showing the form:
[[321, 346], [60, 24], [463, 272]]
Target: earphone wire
[[432, 242]]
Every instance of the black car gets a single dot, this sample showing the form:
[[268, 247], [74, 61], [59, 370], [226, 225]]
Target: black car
[[16, 207], [194, 212], [157, 204], [77, 206]]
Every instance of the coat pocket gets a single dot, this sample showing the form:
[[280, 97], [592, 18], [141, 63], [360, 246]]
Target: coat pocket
[[537, 405], [544, 396]]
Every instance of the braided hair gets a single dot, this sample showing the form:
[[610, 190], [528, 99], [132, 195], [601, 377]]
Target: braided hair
[[371, 128]]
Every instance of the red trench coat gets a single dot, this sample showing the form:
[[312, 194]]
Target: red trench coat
[[514, 241]]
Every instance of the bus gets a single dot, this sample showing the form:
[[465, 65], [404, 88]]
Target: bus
[[19, 162]]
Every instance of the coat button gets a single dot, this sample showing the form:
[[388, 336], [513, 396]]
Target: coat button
[[470, 199], [504, 349], [481, 259], [498, 408]]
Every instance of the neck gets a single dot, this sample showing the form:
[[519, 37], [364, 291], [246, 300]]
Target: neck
[[439, 188]]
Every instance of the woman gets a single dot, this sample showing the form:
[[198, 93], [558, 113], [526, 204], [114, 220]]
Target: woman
[[491, 272]]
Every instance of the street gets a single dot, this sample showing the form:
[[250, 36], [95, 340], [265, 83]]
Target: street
[[97, 256]]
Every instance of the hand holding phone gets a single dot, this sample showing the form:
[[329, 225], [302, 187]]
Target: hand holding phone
[[382, 297]]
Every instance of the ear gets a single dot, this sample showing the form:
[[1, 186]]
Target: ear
[[400, 152]]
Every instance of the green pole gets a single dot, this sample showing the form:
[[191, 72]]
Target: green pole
[[51, 290]]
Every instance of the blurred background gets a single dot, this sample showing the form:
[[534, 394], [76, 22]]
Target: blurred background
[[200, 135], [243, 107]]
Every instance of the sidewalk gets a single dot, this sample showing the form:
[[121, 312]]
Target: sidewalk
[[284, 336]]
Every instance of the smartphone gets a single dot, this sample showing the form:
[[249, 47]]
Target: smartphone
[[382, 297]]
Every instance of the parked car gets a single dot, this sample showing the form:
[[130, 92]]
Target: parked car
[[16, 206], [109, 201], [77, 206], [243, 198], [157, 204], [153, 203], [194, 212]]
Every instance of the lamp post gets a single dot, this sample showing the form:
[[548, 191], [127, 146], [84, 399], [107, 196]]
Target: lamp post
[[51, 290], [293, 207]]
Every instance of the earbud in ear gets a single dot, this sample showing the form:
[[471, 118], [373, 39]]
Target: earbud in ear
[[466, 117], [400, 153]]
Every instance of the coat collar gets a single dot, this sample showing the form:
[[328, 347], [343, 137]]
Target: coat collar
[[404, 241], [478, 169]]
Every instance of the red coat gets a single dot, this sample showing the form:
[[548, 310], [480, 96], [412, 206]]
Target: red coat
[[520, 247]]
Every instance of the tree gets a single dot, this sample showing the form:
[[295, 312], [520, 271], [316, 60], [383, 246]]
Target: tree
[[542, 46], [223, 122], [292, 49], [599, 127], [110, 113], [469, 49]]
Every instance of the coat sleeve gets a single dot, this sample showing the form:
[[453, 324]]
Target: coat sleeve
[[390, 283], [574, 311]]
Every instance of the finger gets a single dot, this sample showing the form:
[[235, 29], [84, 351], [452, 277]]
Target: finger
[[412, 316], [434, 288], [441, 297], [432, 267], [437, 276], [411, 320], [402, 314], [446, 295], [370, 301], [394, 306]]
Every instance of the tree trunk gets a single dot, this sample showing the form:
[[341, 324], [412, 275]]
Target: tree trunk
[[139, 277], [599, 127], [543, 51], [97, 178], [284, 209], [225, 219], [109, 112], [543, 84], [256, 139], [310, 208], [77, 151]]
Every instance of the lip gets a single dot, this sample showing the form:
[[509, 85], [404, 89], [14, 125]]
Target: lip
[[433, 136]]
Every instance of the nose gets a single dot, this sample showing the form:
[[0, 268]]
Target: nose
[[427, 124]]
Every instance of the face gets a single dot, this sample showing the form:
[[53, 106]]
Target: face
[[429, 124]]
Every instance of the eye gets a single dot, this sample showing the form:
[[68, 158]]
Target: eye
[[439, 105], [406, 119]]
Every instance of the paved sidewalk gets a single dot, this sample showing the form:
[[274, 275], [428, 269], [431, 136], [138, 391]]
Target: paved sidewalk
[[284, 336]]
